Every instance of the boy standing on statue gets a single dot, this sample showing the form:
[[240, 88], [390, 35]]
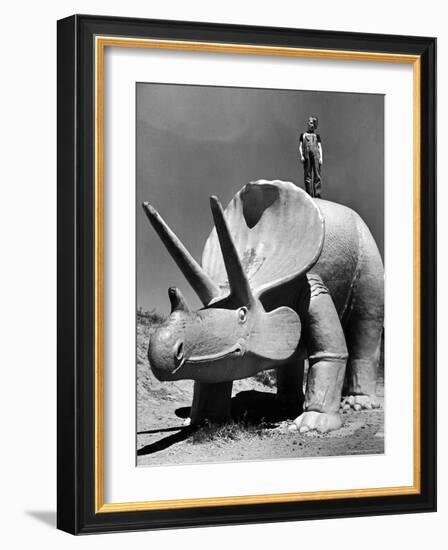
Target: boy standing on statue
[[310, 150]]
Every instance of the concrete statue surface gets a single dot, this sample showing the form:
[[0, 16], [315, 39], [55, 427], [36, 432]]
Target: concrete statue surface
[[283, 278]]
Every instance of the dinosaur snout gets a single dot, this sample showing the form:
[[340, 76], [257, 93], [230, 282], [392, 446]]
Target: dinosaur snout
[[165, 353]]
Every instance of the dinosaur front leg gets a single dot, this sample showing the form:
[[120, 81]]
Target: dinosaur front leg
[[327, 352], [211, 402], [289, 386]]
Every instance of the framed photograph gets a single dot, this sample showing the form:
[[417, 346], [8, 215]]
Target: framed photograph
[[246, 274]]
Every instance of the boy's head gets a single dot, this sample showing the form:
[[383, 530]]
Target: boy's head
[[312, 123]]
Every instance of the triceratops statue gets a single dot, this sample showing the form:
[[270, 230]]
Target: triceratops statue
[[284, 277]]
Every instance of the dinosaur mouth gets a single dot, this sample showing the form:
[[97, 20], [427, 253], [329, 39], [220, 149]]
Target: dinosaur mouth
[[237, 350]]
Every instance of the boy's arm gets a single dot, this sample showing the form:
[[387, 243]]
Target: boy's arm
[[302, 159], [319, 146]]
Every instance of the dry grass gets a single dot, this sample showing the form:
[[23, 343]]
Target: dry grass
[[231, 431]]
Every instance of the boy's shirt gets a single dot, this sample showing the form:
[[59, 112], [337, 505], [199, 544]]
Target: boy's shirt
[[309, 142]]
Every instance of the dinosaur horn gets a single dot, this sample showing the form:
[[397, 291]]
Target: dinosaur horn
[[238, 282], [178, 302], [204, 287]]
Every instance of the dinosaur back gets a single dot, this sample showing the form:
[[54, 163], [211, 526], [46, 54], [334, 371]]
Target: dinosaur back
[[349, 256]]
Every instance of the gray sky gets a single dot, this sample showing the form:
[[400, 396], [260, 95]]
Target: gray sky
[[195, 141]]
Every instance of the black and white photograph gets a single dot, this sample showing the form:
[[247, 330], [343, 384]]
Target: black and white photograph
[[260, 274]]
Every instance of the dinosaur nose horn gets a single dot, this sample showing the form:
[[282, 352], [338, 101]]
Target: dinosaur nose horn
[[203, 285], [178, 302]]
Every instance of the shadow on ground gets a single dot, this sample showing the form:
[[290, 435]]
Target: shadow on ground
[[162, 444], [250, 407], [48, 517]]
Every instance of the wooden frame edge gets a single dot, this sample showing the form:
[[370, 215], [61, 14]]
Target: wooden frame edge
[[100, 43]]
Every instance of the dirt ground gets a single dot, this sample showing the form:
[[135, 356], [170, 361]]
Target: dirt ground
[[259, 429]]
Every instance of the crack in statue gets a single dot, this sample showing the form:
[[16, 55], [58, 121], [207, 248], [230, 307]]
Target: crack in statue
[[284, 277]]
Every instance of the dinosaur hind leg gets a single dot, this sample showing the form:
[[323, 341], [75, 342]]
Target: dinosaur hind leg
[[364, 343], [365, 325]]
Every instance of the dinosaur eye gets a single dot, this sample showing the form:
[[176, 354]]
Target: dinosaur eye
[[242, 314], [179, 351]]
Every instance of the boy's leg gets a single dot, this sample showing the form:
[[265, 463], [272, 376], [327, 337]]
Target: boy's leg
[[317, 178], [307, 168]]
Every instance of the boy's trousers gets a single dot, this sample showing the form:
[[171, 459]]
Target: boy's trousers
[[311, 169]]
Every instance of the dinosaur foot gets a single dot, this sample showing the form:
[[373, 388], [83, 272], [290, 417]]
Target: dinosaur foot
[[321, 422], [359, 402]]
